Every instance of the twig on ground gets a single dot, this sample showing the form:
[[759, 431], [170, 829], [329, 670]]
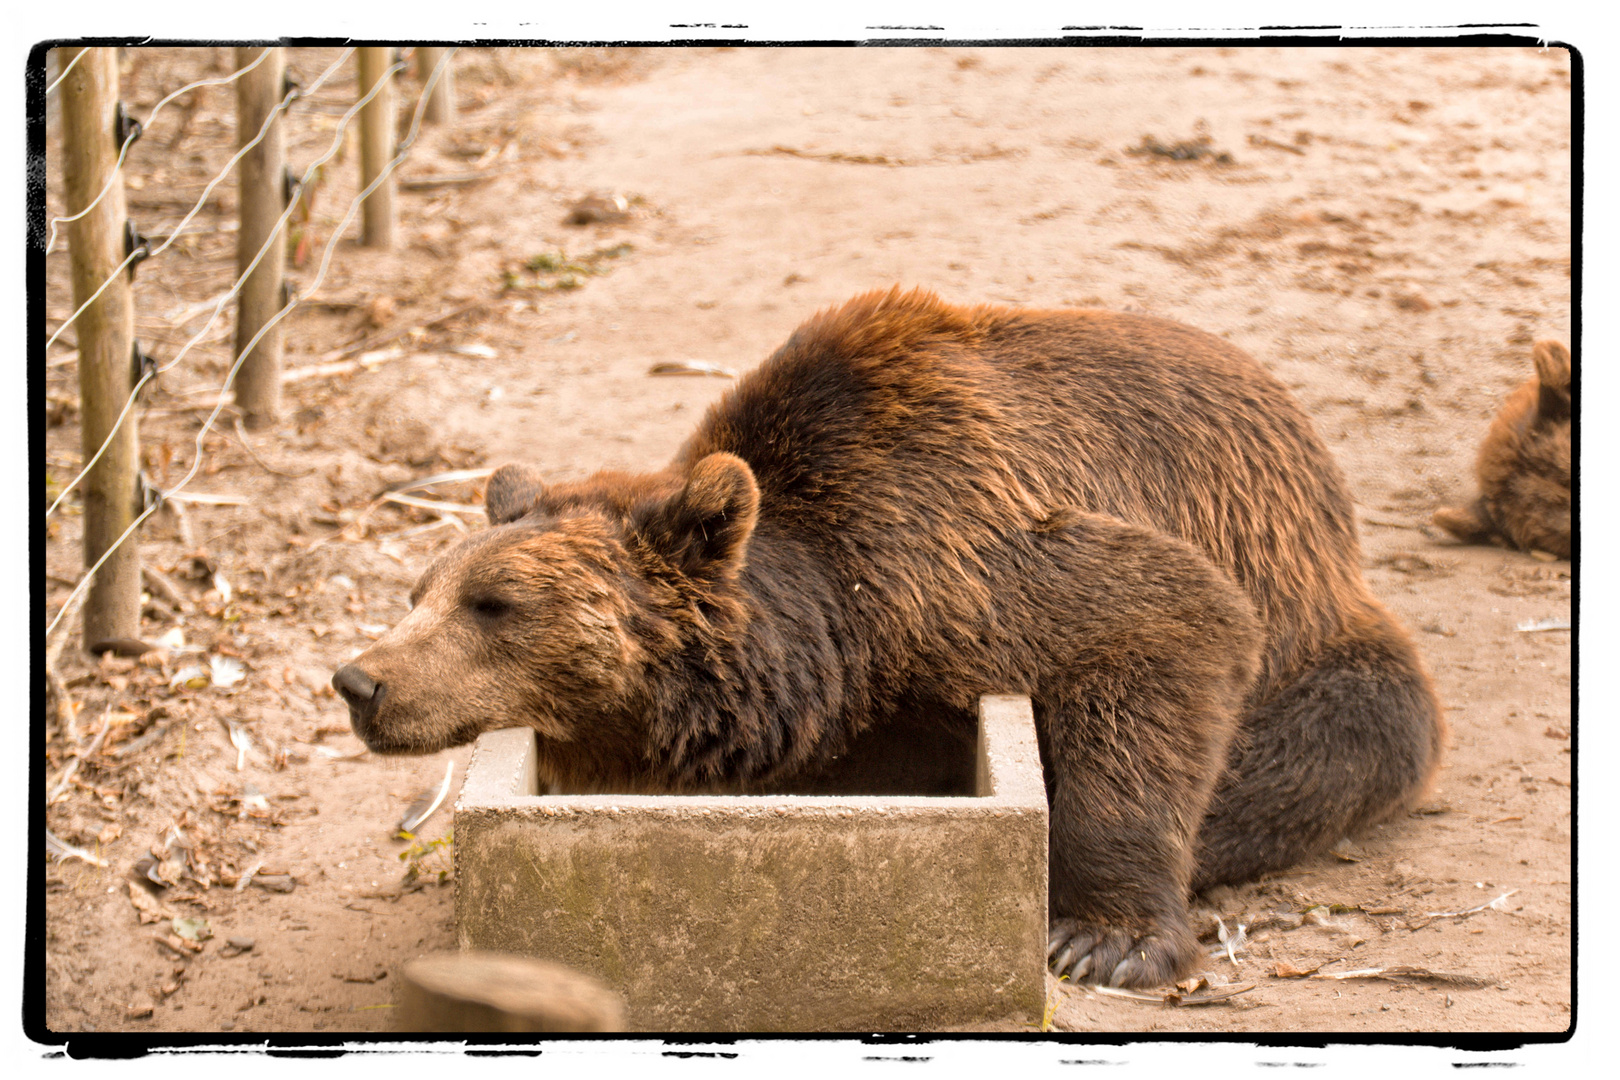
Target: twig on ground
[[385, 338], [64, 624], [356, 529], [159, 583], [431, 504], [182, 522], [448, 521], [1211, 996], [1261, 140], [1536, 627], [342, 367], [437, 478], [1469, 911], [427, 183], [241, 434], [140, 743], [1403, 973], [79, 756], [56, 694], [62, 852]]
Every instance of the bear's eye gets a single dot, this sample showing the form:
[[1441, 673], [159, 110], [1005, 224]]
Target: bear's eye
[[489, 607]]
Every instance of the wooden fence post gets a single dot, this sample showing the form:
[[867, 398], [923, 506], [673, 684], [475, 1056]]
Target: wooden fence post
[[441, 102], [377, 147], [261, 181], [106, 336]]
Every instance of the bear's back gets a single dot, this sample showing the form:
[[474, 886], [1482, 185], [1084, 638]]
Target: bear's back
[[899, 417]]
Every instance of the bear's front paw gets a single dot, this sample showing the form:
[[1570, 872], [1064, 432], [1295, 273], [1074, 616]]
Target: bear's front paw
[[1088, 952]]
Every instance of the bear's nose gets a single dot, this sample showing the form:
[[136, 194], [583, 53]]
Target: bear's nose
[[358, 689]]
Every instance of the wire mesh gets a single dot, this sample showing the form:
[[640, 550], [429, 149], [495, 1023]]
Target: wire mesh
[[401, 153]]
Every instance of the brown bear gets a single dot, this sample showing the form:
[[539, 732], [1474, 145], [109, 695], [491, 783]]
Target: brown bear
[[911, 504], [1523, 465]]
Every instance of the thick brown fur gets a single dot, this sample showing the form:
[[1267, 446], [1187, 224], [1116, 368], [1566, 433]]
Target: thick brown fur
[[1523, 465], [912, 504]]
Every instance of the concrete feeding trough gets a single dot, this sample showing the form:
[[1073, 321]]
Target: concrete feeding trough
[[805, 912]]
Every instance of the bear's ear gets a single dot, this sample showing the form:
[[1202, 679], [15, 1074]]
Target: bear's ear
[[703, 530], [1553, 368], [513, 491]]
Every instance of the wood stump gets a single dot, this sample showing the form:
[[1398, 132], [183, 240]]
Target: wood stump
[[488, 991]]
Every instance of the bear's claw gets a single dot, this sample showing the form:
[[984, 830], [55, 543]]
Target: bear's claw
[[1112, 956]]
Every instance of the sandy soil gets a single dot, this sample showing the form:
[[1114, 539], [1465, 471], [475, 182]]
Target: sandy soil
[[1387, 230]]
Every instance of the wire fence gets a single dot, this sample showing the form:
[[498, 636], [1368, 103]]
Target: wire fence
[[276, 243]]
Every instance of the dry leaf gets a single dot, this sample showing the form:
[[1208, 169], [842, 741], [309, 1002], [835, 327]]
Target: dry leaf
[[428, 802], [241, 740], [148, 907], [380, 311], [177, 943], [193, 676], [1231, 941], [340, 755], [225, 672], [692, 367], [247, 876]]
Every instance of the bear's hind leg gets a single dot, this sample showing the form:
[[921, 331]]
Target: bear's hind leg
[[1355, 738]]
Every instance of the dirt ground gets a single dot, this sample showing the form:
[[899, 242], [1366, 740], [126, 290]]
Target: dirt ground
[[1387, 230]]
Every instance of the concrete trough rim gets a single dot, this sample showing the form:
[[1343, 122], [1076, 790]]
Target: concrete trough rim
[[485, 788]]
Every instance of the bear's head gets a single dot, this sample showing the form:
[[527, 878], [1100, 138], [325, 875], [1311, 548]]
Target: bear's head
[[551, 618]]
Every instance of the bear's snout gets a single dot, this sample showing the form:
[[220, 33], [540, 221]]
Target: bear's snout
[[361, 693]]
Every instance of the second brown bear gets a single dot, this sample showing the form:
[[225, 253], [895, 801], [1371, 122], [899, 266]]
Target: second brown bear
[[1523, 466], [912, 504]]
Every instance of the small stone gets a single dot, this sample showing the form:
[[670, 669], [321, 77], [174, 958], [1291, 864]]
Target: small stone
[[243, 943]]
